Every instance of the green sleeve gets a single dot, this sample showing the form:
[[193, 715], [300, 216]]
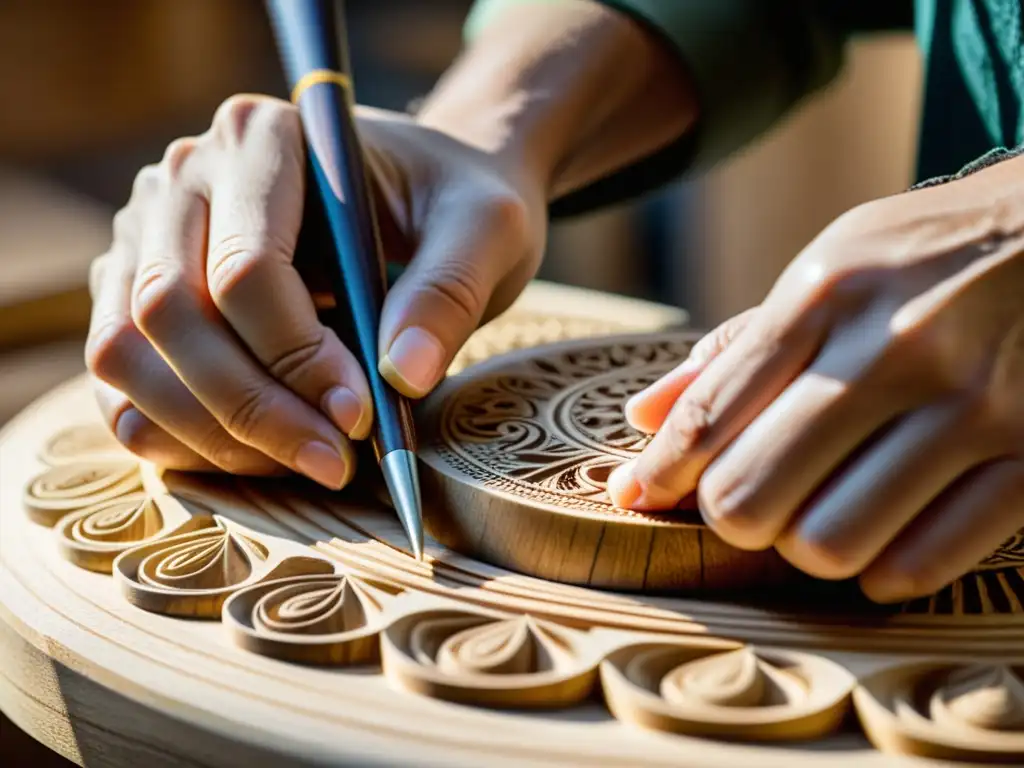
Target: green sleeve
[[750, 61]]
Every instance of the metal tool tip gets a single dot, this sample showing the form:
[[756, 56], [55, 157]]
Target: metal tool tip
[[402, 479]]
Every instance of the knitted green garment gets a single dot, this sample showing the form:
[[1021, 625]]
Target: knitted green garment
[[753, 60]]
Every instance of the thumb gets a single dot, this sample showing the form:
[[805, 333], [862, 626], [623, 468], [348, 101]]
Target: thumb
[[467, 251], [647, 410]]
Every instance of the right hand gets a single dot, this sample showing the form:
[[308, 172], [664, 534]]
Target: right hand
[[205, 346]]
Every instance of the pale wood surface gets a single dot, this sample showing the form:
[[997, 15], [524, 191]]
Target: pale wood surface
[[517, 452], [332, 646]]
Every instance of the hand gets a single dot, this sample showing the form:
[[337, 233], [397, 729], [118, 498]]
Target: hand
[[867, 418], [205, 346]]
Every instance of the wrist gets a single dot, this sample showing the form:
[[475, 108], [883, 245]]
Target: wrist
[[565, 92]]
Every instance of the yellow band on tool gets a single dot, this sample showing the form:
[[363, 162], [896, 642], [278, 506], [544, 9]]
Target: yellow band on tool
[[318, 76]]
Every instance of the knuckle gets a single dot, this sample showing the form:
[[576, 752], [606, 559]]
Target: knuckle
[[282, 118], [248, 413], [221, 450], [506, 214], [146, 182], [98, 270], [295, 362], [734, 514], [235, 259], [158, 288], [461, 286], [124, 223], [110, 348], [688, 427], [235, 117], [176, 157]]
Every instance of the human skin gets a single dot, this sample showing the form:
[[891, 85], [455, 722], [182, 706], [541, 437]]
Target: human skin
[[866, 419], [863, 420], [205, 346]]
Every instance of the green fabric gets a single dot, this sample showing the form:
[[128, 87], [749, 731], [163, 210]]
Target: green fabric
[[753, 60]]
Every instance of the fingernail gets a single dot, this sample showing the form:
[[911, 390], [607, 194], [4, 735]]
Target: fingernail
[[623, 488], [414, 363], [349, 412], [323, 464]]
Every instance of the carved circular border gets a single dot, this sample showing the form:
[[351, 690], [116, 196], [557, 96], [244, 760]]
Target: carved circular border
[[413, 595]]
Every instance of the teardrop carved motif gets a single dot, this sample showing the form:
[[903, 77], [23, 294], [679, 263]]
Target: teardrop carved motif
[[193, 573], [516, 646], [82, 442], [321, 619], [93, 537], [947, 711], [491, 660], [710, 687], [731, 679], [988, 697], [70, 487]]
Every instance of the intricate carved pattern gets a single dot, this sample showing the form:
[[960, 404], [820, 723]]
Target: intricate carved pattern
[[1009, 554], [464, 655], [68, 487], [94, 536], [321, 619], [498, 430], [948, 711], [435, 628], [193, 573], [705, 689]]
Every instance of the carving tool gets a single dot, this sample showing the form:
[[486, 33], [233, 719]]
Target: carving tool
[[311, 39]]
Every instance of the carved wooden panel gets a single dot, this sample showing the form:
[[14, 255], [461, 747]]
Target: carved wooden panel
[[517, 453], [170, 619]]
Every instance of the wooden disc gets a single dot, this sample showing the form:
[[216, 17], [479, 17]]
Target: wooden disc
[[214, 621], [517, 453]]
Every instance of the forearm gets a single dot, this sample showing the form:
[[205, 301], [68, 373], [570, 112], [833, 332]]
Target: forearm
[[569, 92]]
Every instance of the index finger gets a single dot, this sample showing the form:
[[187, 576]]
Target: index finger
[[716, 407]]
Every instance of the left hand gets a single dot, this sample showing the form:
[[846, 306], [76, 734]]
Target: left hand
[[868, 418]]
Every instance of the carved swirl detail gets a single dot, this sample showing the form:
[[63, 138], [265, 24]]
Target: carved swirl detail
[[321, 619], [192, 573], [989, 697], [731, 679], [68, 487], [708, 688], [495, 661], [950, 711], [82, 442], [497, 430], [94, 536], [210, 559], [322, 607]]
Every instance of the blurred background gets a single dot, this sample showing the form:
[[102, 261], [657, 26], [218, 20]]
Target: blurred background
[[94, 90], [91, 91]]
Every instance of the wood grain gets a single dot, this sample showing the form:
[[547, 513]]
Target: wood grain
[[517, 451], [366, 656]]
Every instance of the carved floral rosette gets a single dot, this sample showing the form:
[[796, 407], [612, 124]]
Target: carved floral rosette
[[178, 552]]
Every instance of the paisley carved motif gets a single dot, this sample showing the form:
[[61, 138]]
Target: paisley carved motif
[[93, 537], [463, 655], [82, 442], [69, 487], [709, 688], [950, 711], [193, 573], [321, 619], [985, 696], [730, 679]]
